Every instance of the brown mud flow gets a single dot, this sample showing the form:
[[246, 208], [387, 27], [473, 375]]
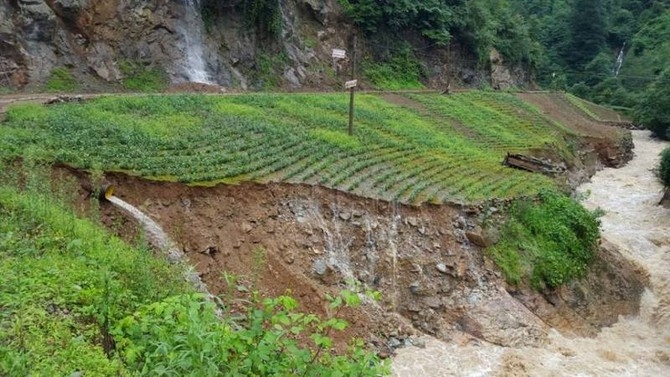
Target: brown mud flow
[[427, 262]]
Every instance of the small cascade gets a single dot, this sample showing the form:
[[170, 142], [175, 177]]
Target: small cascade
[[337, 249], [619, 60], [160, 240], [191, 30], [393, 233]]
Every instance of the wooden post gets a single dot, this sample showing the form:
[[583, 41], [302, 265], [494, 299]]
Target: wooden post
[[353, 88]]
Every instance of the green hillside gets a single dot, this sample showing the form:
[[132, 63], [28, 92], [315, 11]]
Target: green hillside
[[432, 148]]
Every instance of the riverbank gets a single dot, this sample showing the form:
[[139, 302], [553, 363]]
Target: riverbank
[[635, 346]]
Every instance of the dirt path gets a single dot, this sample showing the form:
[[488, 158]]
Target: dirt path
[[635, 346]]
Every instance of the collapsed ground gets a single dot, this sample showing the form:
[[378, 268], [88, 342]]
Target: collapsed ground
[[427, 261]]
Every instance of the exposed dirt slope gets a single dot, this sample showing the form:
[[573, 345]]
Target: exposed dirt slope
[[310, 241], [612, 144]]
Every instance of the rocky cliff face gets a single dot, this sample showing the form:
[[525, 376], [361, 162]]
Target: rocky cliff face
[[94, 38]]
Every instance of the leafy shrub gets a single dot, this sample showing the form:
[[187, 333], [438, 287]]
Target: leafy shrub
[[61, 80], [182, 335], [139, 78], [65, 281], [664, 167], [402, 71], [654, 109], [548, 242], [76, 299]]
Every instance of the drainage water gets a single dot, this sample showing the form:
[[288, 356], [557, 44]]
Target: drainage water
[[157, 237], [635, 346], [191, 31]]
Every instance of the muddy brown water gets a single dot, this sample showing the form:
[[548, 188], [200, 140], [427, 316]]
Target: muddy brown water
[[634, 346]]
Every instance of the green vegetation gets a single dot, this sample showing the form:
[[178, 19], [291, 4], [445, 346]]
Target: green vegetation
[[654, 109], [76, 299], [580, 42], [664, 167], [267, 71], [546, 241], [478, 25], [262, 16], [61, 80], [138, 78], [449, 151], [403, 71], [66, 283]]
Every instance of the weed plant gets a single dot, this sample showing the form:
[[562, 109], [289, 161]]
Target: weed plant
[[138, 78], [61, 80], [547, 241], [76, 299]]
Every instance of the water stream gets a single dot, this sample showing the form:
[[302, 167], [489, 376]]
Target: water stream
[[191, 30], [159, 239], [635, 346]]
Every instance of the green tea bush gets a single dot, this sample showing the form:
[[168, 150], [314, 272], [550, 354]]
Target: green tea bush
[[182, 335], [547, 241], [445, 148]]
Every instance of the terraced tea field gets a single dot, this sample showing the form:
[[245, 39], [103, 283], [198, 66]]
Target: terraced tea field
[[440, 149]]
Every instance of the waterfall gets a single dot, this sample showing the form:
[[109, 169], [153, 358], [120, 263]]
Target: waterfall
[[193, 65], [619, 61]]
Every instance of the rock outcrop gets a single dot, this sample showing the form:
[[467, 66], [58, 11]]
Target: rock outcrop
[[95, 39]]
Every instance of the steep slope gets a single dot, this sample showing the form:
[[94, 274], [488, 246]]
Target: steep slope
[[97, 45]]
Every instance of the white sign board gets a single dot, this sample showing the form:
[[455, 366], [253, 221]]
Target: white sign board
[[350, 84], [339, 54]]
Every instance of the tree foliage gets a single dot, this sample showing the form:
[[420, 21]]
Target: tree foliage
[[653, 111], [664, 167], [478, 25]]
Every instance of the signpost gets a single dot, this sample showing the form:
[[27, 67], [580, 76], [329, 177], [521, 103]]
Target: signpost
[[339, 54], [351, 85]]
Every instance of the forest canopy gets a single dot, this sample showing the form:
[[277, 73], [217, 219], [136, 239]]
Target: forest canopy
[[608, 51]]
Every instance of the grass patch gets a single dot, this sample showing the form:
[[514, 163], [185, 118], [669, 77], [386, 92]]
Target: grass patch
[[61, 80], [402, 71], [76, 299], [268, 70], [66, 282], [138, 78], [547, 241]]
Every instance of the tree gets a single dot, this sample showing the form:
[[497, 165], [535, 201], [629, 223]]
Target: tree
[[588, 28], [664, 167], [654, 110]]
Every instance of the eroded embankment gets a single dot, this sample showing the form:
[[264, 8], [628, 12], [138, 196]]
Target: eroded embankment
[[310, 241], [636, 345]]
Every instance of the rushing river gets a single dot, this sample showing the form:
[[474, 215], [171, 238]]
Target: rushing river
[[636, 346]]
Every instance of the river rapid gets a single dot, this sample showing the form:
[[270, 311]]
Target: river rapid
[[634, 346]]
